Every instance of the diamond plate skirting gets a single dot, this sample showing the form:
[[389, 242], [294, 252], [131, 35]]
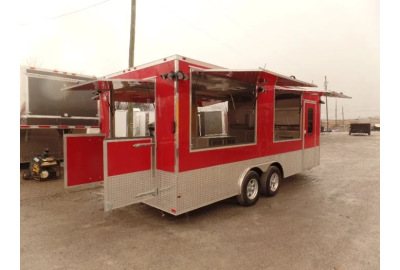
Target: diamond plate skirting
[[159, 192], [201, 187], [310, 158], [166, 198], [186, 191], [121, 190]]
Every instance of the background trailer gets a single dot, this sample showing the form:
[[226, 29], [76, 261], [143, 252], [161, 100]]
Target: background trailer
[[46, 113]]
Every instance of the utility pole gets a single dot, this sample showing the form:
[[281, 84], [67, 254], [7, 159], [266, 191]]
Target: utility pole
[[132, 39], [326, 103], [344, 128], [336, 112], [131, 63]]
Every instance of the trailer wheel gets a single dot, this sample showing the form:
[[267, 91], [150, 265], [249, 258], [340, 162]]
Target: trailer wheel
[[26, 175], [250, 189], [270, 181]]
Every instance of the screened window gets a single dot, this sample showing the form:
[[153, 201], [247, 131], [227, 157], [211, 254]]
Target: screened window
[[287, 116], [222, 111]]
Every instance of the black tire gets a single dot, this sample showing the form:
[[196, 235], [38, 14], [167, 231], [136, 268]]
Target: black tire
[[349, 133], [26, 175], [250, 189], [272, 174]]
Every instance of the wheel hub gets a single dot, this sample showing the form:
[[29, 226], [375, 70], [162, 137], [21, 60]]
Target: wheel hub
[[274, 182], [252, 189]]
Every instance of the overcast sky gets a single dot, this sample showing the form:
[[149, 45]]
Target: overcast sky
[[309, 39]]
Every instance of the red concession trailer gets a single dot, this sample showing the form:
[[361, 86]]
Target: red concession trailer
[[264, 127]]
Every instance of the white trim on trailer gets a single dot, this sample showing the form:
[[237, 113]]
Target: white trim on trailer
[[55, 127], [57, 117], [54, 78], [57, 72], [176, 117], [24, 90]]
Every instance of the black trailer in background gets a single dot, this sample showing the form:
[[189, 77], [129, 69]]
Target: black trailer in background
[[43, 104], [360, 128]]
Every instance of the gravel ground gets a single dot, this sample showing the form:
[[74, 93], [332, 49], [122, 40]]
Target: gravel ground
[[324, 218]]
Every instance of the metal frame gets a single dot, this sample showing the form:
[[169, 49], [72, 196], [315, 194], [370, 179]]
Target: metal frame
[[287, 78], [105, 172], [25, 88], [55, 127], [218, 147], [57, 72], [54, 78], [56, 117], [176, 116], [66, 159]]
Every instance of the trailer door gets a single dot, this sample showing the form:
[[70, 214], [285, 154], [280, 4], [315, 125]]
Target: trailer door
[[309, 134], [129, 171], [128, 163]]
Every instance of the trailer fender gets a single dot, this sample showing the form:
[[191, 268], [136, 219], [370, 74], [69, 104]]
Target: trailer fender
[[259, 168]]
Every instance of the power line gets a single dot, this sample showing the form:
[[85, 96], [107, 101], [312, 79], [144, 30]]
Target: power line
[[65, 14], [210, 36], [263, 43]]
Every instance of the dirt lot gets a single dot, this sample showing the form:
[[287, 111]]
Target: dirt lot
[[325, 218]]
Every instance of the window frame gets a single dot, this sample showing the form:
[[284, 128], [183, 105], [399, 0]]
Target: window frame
[[191, 149]]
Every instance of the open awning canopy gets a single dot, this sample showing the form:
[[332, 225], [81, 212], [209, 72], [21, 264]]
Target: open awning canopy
[[140, 91], [219, 82], [334, 94], [250, 76], [230, 82], [312, 91]]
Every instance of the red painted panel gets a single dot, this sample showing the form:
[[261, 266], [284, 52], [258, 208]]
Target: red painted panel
[[123, 158], [84, 162], [105, 114], [165, 112]]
